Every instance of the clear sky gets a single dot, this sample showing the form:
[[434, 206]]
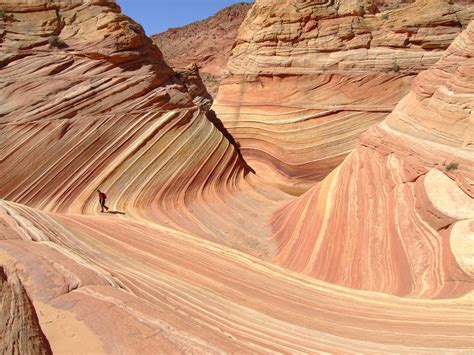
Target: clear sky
[[158, 15]]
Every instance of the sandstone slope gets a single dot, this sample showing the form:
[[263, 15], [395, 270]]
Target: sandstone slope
[[306, 78], [181, 263], [397, 215], [105, 111], [102, 111], [206, 43], [108, 285], [20, 332]]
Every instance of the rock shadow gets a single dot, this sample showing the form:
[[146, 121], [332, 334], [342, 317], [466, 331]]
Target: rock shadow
[[211, 115], [116, 212]]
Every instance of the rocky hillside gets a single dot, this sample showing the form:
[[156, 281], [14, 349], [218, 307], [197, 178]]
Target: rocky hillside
[[306, 79], [206, 43], [400, 208], [202, 252]]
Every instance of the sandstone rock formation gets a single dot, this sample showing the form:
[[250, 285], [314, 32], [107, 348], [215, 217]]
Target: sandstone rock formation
[[308, 77], [182, 262], [191, 78], [104, 105], [397, 216], [118, 286], [105, 111], [207, 43], [20, 332]]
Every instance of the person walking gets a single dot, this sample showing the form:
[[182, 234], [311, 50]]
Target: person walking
[[102, 198]]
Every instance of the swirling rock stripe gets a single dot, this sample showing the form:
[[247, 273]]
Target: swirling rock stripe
[[74, 120], [307, 78], [139, 286], [107, 112], [383, 220]]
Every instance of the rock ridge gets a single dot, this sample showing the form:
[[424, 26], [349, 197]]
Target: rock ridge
[[20, 330], [306, 79], [405, 193], [207, 43]]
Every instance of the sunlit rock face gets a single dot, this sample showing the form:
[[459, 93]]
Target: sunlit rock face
[[397, 215], [113, 285], [199, 250], [19, 328], [98, 109], [206, 43], [307, 78], [102, 110]]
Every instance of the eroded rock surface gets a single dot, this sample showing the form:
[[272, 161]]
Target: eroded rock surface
[[383, 220], [104, 284], [20, 332], [182, 261], [94, 112], [206, 43], [191, 77], [307, 78]]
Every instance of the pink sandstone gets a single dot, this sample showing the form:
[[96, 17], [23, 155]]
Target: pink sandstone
[[392, 217], [103, 284], [307, 78], [372, 259], [206, 43]]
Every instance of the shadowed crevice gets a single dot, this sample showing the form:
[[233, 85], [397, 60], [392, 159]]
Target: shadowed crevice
[[211, 115]]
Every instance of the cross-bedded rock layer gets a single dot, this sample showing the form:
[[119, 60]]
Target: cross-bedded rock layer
[[87, 102], [397, 215], [306, 78], [99, 108], [103, 284]]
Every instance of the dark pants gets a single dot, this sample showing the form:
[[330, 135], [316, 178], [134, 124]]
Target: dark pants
[[102, 205]]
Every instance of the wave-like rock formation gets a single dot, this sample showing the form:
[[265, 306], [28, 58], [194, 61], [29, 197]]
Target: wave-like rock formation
[[98, 108], [397, 216], [206, 43], [182, 261], [96, 111], [306, 78], [117, 286]]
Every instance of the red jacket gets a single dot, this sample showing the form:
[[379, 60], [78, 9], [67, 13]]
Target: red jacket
[[102, 196]]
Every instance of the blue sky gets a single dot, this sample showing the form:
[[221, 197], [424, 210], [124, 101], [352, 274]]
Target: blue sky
[[158, 15]]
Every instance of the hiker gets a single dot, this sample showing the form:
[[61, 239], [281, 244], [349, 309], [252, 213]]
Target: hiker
[[102, 198]]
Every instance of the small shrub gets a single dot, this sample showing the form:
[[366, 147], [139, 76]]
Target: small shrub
[[385, 16], [2, 15], [452, 166], [135, 27], [55, 41], [396, 67]]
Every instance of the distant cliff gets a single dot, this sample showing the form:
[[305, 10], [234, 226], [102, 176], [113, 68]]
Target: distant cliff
[[207, 43]]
